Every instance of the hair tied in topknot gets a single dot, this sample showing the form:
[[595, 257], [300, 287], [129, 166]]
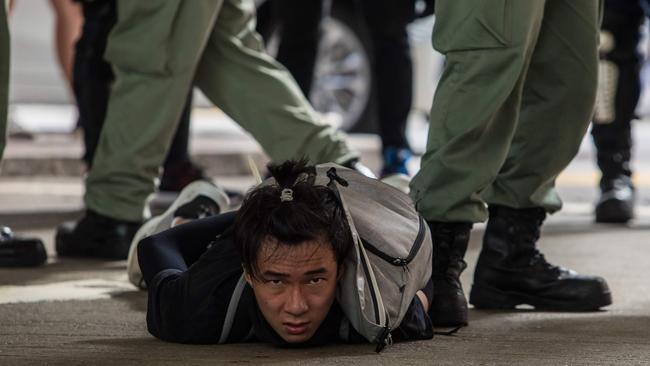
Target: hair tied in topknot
[[290, 173], [286, 195]]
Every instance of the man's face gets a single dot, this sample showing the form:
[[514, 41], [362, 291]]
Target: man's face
[[296, 286]]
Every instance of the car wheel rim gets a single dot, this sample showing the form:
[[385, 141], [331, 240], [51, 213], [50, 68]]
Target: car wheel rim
[[342, 76]]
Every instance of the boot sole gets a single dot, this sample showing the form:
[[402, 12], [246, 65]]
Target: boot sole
[[449, 319], [486, 297], [112, 253]]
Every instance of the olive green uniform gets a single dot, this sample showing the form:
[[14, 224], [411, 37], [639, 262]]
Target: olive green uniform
[[4, 74], [515, 99], [159, 49]]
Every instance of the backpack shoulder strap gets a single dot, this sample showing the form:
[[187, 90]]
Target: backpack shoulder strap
[[232, 309]]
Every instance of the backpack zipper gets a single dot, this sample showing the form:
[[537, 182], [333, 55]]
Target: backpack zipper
[[397, 261]]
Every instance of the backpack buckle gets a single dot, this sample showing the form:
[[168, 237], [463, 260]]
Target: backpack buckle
[[333, 176]]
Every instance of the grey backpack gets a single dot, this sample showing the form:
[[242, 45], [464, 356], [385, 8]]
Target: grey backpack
[[391, 257], [390, 260]]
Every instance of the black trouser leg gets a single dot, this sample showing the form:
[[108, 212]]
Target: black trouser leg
[[92, 75], [621, 63], [298, 22], [619, 92], [300, 34], [392, 65], [179, 149]]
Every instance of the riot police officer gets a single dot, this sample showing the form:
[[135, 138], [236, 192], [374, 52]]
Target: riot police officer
[[514, 102], [157, 50]]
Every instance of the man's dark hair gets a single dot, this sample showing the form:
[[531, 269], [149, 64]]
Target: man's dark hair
[[305, 213]]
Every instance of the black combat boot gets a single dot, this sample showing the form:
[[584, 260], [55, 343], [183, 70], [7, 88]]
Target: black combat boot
[[95, 236], [449, 305], [511, 271], [18, 251], [616, 202]]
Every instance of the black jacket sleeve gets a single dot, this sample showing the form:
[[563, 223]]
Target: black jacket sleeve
[[189, 305]]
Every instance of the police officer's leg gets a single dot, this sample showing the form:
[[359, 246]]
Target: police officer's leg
[[558, 99], [557, 106], [178, 169], [92, 80], [473, 119], [300, 30], [475, 109], [92, 75], [297, 23], [154, 49], [618, 95], [260, 94], [266, 23]]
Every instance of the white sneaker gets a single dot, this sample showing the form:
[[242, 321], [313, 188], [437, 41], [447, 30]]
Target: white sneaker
[[199, 199]]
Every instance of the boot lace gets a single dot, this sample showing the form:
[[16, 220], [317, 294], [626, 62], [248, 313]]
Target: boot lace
[[525, 229]]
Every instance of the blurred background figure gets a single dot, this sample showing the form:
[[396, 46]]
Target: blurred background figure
[[619, 91], [297, 24]]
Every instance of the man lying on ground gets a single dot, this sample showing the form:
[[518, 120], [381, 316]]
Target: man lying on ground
[[290, 240]]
